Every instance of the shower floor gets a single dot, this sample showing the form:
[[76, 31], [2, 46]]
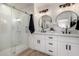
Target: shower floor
[[31, 52]]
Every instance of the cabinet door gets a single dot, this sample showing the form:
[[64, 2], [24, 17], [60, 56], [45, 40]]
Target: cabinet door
[[62, 48], [74, 50], [42, 43], [39, 43]]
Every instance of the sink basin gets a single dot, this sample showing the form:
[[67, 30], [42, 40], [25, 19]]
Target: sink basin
[[75, 32]]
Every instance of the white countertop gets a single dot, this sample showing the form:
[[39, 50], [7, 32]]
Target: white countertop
[[57, 34]]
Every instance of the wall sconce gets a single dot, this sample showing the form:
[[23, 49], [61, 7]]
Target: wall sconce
[[43, 11], [66, 5]]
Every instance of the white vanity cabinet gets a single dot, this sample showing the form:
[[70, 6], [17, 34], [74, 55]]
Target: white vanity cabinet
[[37, 42], [51, 45], [62, 46], [44, 43], [55, 45], [62, 49], [74, 50], [68, 46], [74, 47]]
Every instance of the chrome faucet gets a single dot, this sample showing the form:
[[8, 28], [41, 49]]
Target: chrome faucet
[[66, 30]]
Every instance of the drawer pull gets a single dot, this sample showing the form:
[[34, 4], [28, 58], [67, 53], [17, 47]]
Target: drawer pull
[[38, 41], [50, 43], [50, 50], [70, 47], [50, 37], [66, 47]]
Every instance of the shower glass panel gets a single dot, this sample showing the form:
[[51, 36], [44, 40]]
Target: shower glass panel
[[13, 30], [5, 30], [19, 30]]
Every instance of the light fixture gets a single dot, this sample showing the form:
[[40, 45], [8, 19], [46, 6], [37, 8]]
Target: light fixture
[[43, 11], [66, 5]]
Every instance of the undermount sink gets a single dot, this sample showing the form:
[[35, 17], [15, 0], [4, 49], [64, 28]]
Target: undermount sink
[[75, 32]]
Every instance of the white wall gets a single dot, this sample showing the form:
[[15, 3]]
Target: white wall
[[28, 7], [53, 11]]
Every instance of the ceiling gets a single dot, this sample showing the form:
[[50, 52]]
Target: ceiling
[[49, 6], [27, 7]]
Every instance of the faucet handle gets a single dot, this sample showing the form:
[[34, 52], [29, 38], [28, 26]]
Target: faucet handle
[[69, 32], [63, 32]]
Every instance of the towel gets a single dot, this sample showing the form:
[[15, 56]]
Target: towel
[[72, 23], [31, 24], [77, 26]]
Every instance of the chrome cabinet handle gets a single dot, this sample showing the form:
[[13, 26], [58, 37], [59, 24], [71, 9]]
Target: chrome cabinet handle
[[66, 47], [50, 50], [50, 43], [50, 37], [70, 47]]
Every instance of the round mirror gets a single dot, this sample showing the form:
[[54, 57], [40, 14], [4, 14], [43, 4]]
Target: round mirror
[[45, 22], [66, 19]]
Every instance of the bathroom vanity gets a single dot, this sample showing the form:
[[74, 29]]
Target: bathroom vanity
[[59, 40], [56, 44]]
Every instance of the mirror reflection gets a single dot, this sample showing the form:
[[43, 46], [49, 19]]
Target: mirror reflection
[[66, 19], [45, 22]]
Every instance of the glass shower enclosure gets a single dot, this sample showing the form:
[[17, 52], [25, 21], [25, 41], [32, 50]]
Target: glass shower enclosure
[[13, 31]]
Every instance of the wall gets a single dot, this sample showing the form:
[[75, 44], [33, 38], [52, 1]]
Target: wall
[[53, 11]]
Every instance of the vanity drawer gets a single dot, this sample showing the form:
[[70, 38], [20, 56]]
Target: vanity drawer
[[49, 40], [50, 50], [51, 43], [50, 37]]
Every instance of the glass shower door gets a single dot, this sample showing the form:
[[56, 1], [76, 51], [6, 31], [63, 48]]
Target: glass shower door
[[20, 23], [13, 31], [5, 30]]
